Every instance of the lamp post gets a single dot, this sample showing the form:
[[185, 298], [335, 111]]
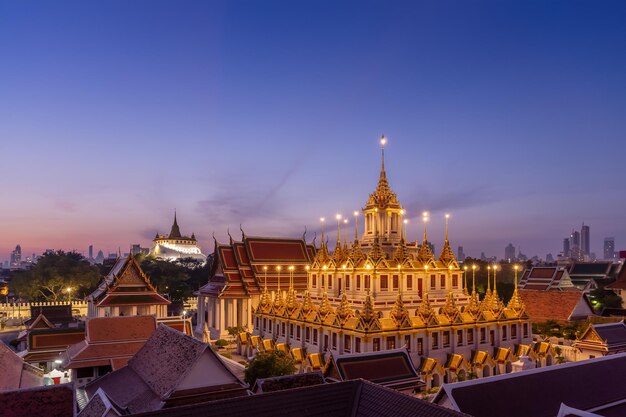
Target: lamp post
[[465, 279], [473, 277], [69, 294], [515, 268]]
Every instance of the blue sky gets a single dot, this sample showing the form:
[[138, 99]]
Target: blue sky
[[508, 115]]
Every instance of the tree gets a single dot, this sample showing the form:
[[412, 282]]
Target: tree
[[53, 273], [178, 279], [601, 298], [269, 364], [234, 331]]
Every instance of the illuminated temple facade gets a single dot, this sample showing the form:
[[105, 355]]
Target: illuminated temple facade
[[176, 246], [376, 293]]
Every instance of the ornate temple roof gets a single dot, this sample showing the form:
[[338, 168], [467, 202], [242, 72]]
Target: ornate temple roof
[[383, 197]]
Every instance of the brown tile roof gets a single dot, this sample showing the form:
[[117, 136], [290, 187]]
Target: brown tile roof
[[153, 376], [392, 368], [287, 382], [55, 314], [341, 399], [539, 392], [47, 401], [110, 341], [552, 305], [620, 283], [542, 272], [14, 373]]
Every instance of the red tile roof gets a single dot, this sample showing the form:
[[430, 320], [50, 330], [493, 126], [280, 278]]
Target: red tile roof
[[553, 305], [14, 373], [47, 401], [110, 341]]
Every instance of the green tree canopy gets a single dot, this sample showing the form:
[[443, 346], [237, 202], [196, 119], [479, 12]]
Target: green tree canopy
[[268, 364], [53, 274], [178, 279]]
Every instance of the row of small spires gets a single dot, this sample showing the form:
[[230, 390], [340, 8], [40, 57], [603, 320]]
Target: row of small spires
[[399, 312]]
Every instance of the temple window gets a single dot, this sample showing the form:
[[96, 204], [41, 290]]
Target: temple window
[[483, 335], [442, 281], [455, 281], [358, 282], [409, 282], [435, 338], [277, 329], [459, 337], [504, 333], [513, 331], [470, 335], [347, 282], [325, 342], [376, 344], [264, 324], [291, 330], [307, 334], [347, 345], [334, 341], [420, 346], [433, 282], [338, 285], [384, 284], [407, 342], [395, 282], [298, 332], [315, 336], [367, 282], [282, 329], [357, 345], [525, 329], [314, 281], [446, 339], [330, 282], [391, 342]]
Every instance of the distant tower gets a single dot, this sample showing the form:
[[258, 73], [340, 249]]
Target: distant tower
[[609, 248], [90, 251], [509, 252], [566, 248], [16, 256], [584, 240], [461, 254]]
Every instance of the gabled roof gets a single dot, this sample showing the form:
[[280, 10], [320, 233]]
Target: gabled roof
[[15, 373], [620, 283], [555, 305], [101, 406], [390, 368], [608, 337], [242, 268], [48, 401], [599, 269], [110, 341], [545, 278], [60, 314], [126, 284], [170, 369], [342, 399], [585, 385]]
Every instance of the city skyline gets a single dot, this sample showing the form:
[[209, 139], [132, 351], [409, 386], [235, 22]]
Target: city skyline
[[269, 117]]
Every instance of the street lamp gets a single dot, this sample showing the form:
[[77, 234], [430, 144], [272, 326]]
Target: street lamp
[[69, 292]]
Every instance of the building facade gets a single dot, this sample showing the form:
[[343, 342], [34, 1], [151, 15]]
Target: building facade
[[378, 293]]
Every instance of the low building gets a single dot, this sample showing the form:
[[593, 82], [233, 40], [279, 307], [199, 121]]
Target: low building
[[126, 291], [592, 274], [587, 388], [619, 285], [170, 370], [601, 340], [109, 344]]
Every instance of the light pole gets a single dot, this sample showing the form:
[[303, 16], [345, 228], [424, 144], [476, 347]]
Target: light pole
[[69, 294]]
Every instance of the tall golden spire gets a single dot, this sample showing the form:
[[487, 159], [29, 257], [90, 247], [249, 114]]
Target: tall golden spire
[[265, 301], [399, 312], [322, 254], [447, 255], [516, 303], [368, 315], [344, 310], [307, 304], [383, 196], [292, 303], [425, 254]]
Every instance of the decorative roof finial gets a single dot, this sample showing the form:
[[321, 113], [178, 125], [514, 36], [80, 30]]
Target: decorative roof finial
[[356, 225], [383, 142]]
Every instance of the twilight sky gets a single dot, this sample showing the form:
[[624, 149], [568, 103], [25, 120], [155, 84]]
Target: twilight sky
[[509, 115]]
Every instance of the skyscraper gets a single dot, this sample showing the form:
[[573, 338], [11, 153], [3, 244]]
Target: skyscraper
[[584, 240], [609, 248], [509, 252], [461, 254], [16, 256], [566, 246], [90, 251]]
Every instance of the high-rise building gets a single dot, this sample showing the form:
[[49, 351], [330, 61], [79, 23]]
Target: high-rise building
[[609, 248], [461, 253], [566, 246], [90, 251], [584, 240], [16, 256], [509, 252]]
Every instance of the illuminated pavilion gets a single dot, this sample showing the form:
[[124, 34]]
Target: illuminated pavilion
[[377, 293], [176, 246]]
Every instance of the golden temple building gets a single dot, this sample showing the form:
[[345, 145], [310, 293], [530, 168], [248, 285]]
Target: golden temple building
[[377, 292]]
